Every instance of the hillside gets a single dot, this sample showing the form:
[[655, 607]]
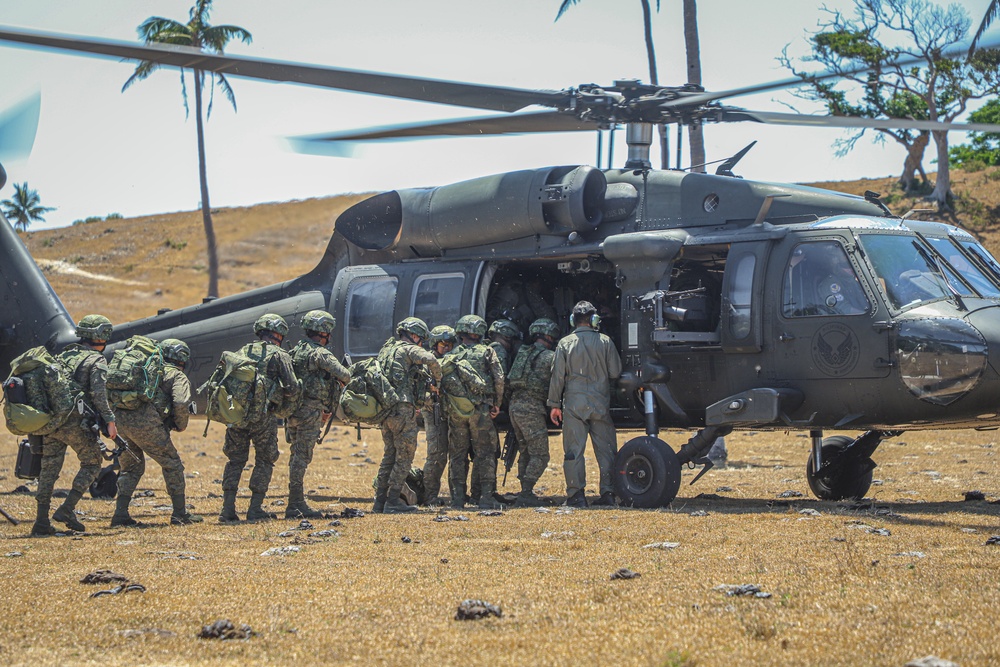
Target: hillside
[[130, 268]]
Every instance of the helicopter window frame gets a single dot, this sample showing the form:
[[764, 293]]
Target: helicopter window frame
[[436, 318], [367, 338], [820, 287], [898, 280]]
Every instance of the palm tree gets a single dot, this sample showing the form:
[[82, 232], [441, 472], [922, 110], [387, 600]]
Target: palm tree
[[199, 34], [991, 13], [24, 208], [647, 25]]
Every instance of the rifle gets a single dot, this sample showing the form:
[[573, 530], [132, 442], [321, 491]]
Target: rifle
[[509, 453], [9, 517], [100, 428], [436, 408], [326, 431]]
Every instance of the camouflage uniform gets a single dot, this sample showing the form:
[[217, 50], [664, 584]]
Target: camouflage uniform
[[476, 430], [147, 430], [321, 375], [90, 370], [402, 361], [529, 390], [262, 429], [585, 364]]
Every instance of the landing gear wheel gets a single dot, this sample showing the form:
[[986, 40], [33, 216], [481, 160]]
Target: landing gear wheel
[[852, 481], [647, 473]]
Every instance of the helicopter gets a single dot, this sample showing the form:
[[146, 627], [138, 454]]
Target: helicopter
[[735, 304]]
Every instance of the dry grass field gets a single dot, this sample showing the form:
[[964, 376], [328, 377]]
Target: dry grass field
[[877, 583], [902, 575]]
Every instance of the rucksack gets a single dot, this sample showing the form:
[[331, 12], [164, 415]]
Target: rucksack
[[235, 391], [522, 363], [317, 384], [457, 377], [369, 395], [134, 373], [40, 393]]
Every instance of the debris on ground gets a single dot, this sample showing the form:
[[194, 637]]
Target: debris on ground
[[558, 535], [662, 545], [993, 540], [334, 523], [123, 588], [405, 540], [790, 494], [808, 511], [911, 554], [325, 533], [281, 551], [624, 573], [441, 518], [473, 610], [351, 513], [931, 661], [972, 496], [103, 577], [490, 513], [724, 489], [224, 629], [13, 554], [543, 510], [699, 513], [742, 590]]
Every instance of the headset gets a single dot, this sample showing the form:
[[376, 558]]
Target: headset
[[595, 320]]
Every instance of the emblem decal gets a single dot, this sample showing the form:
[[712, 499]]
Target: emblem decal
[[835, 349]]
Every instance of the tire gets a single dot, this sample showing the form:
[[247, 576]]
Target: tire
[[105, 487], [647, 473], [853, 480]]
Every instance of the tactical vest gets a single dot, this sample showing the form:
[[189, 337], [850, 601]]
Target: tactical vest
[[476, 356], [317, 383], [410, 380], [525, 379]]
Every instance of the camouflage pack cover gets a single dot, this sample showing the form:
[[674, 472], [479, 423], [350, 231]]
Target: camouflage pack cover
[[369, 395], [135, 373], [50, 392], [317, 384], [235, 391]]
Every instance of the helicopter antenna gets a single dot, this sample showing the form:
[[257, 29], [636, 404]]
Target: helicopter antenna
[[872, 197], [726, 168], [914, 211]]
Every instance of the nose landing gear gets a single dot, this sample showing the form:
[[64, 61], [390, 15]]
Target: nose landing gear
[[845, 465]]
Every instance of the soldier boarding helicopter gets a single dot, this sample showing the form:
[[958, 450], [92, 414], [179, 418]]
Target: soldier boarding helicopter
[[735, 304]]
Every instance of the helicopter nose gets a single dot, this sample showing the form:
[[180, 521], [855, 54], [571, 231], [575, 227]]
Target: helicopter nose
[[941, 359]]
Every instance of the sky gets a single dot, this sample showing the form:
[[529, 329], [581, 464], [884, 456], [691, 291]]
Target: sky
[[100, 151]]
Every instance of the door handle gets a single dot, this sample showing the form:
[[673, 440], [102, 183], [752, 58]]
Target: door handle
[[785, 337]]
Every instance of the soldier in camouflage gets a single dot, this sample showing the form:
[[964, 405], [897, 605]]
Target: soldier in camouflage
[[505, 339], [529, 387], [322, 377], [262, 430], [585, 366], [407, 364], [147, 429], [442, 340], [477, 429], [90, 370]]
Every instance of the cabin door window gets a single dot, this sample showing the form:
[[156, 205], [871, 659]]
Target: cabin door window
[[370, 308]]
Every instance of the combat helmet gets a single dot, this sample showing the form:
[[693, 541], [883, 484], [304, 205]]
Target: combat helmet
[[95, 327], [443, 334], [271, 322], [415, 326], [471, 324], [544, 327], [505, 328], [319, 321], [175, 350]]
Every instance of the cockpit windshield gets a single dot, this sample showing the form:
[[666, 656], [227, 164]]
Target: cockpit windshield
[[968, 274], [907, 270]]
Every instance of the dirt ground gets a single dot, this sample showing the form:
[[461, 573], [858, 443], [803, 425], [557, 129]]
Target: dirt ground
[[903, 575]]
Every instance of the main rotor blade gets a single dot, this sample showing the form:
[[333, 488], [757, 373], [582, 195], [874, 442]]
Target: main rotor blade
[[494, 98], [773, 118], [544, 121], [18, 126], [703, 98]]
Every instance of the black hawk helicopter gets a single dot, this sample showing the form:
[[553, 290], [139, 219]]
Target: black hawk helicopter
[[735, 304]]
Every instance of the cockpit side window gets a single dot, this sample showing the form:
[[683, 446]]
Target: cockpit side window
[[906, 269], [820, 281]]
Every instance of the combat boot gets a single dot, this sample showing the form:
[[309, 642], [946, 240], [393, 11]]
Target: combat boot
[[228, 513], [297, 506], [121, 518], [255, 512], [378, 507], [395, 505], [65, 512], [42, 527], [458, 498], [527, 497], [180, 516]]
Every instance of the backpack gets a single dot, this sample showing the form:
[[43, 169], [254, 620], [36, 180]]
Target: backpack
[[316, 383], [135, 373], [369, 395], [457, 375], [523, 362], [40, 393], [235, 390]]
